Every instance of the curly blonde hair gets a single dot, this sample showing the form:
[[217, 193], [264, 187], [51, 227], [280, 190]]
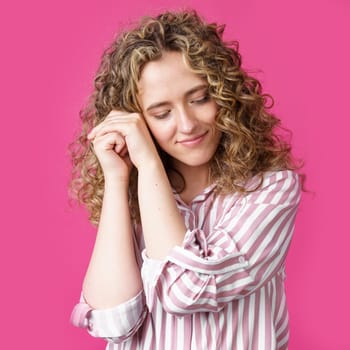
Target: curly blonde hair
[[249, 145]]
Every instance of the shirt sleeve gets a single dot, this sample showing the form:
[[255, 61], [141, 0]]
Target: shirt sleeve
[[114, 324], [244, 250]]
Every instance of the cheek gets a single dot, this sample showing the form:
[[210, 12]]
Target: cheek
[[210, 113], [162, 133], [211, 120]]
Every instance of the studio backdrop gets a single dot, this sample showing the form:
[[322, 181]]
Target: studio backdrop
[[50, 51]]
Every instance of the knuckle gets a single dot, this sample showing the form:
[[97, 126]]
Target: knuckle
[[136, 118]]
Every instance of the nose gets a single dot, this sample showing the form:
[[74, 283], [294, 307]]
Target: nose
[[186, 121]]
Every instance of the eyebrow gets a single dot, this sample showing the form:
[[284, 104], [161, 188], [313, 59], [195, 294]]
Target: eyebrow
[[187, 94]]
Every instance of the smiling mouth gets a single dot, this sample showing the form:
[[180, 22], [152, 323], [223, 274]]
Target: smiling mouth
[[194, 140]]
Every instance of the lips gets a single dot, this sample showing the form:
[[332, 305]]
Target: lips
[[193, 140]]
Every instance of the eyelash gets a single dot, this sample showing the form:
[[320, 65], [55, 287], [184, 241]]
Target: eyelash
[[199, 101], [163, 115]]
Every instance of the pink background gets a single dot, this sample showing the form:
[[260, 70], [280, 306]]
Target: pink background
[[49, 53]]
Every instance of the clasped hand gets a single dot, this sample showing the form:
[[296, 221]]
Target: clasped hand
[[121, 141]]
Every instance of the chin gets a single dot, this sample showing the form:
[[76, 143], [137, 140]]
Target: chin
[[196, 162]]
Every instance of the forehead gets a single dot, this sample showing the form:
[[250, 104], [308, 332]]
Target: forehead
[[166, 78]]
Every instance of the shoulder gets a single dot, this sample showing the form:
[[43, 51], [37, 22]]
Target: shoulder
[[287, 178], [261, 188], [274, 195], [270, 178], [274, 187]]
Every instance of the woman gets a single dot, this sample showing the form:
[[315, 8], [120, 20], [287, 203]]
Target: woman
[[194, 195]]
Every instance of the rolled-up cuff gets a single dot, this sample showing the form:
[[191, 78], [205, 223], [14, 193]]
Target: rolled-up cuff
[[115, 322]]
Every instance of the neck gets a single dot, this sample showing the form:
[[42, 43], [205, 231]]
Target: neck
[[196, 179]]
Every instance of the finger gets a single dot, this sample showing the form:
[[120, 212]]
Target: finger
[[110, 126], [120, 143], [126, 158], [124, 152], [105, 125], [99, 130], [109, 141]]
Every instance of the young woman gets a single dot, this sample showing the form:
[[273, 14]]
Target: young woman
[[194, 195]]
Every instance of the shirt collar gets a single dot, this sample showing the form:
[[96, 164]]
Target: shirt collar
[[201, 197]]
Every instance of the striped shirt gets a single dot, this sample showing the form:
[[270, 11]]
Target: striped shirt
[[223, 288]]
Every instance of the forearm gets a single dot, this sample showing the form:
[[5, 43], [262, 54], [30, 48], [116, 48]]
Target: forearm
[[113, 275], [163, 227]]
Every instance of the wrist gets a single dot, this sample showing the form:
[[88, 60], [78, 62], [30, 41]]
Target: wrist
[[152, 166], [116, 181]]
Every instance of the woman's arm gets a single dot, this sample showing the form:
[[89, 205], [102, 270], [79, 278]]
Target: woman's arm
[[113, 275], [162, 224], [244, 249], [158, 207], [112, 303]]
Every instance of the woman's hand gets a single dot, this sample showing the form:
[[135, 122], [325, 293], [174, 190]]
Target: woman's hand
[[120, 141]]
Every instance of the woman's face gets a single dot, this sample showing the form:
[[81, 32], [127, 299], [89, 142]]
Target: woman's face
[[179, 110]]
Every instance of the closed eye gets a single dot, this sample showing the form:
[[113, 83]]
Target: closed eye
[[162, 115], [201, 100]]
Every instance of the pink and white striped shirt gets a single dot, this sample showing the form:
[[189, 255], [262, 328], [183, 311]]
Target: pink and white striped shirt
[[223, 288]]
